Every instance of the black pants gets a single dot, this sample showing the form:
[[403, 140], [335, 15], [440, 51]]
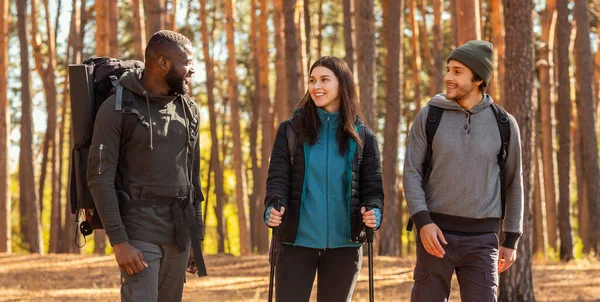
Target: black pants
[[338, 271], [473, 258]]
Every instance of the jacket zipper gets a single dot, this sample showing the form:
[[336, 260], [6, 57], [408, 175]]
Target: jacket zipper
[[327, 180], [100, 165]]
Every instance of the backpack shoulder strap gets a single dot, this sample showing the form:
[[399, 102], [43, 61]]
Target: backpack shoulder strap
[[433, 121], [291, 139], [360, 148], [504, 127]]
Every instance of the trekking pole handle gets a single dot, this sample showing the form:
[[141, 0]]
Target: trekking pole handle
[[368, 230]]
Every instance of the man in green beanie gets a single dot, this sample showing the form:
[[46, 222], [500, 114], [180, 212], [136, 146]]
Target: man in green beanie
[[459, 188]]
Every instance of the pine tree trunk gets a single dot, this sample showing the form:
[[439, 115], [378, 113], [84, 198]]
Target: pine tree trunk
[[5, 199], [468, 21], [301, 40], [582, 200], [254, 124], [320, 30], [437, 72], [563, 114], [215, 160], [585, 106], [102, 39], [155, 16], [113, 29], [307, 33], [238, 164], [540, 239], [282, 108], [416, 56], [139, 29], [390, 238], [30, 213], [426, 49], [291, 48], [349, 41], [366, 56], [516, 284], [546, 72], [266, 124], [498, 41]]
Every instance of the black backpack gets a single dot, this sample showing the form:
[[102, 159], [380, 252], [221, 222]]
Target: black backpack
[[433, 121], [91, 83]]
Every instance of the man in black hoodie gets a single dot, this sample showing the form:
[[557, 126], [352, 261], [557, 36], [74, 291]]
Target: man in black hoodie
[[147, 191]]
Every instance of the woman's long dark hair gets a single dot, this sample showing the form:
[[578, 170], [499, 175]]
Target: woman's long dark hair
[[308, 119]]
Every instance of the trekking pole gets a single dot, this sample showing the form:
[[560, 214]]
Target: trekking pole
[[273, 252], [369, 232]]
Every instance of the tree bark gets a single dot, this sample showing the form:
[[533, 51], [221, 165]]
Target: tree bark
[[516, 284], [30, 221], [349, 41], [582, 199], [291, 49], [468, 21], [139, 29], [563, 110], [254, 123], [437, 72], [546, 74], [585, 106], [282, 108], [113, 29], [416, 56], [539, 246], [102, 31], [366, 60], [307, 33], [426, 49], [214, 149], [155, 16], [301, 40], [497, 84], [238, 164], [266, 124], [389, 245], [5, 204], [320, 30]]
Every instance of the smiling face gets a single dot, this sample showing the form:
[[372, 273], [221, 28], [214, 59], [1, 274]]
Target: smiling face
[[324, 88], [459, 81], [180, 70]]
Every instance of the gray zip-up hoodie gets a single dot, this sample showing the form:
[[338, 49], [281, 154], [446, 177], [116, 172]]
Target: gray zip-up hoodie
[[463, 191], [158, 172]]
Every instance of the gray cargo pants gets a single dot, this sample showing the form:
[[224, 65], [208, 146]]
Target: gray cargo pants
[[475, 260], [162, 280]]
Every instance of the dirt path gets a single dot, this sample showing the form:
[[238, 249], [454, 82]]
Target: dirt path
[[93, 278]]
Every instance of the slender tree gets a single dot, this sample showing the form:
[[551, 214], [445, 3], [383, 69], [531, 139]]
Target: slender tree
[[390, 243], [349, 41], [497, 84], [516, 284], [266, 125], [139, 29], [215, 160], [546, 74], [155, 16], [291, 48], [113, 29], [585, 107], [5, 206], [307, 33], [282, 106], [102, 10], [238, 164], [539, 225], [468, 20], [366, 59], [416, 55], [30, 212], [437, 72], [563, 110]]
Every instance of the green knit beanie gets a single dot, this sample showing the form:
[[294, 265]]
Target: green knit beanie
[[478, 55]]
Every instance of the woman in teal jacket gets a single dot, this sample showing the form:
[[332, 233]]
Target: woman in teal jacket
[[322, 195]]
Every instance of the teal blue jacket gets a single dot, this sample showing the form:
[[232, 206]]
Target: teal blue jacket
[[324, 222]]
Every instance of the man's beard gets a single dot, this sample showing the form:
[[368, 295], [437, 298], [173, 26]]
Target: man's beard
[[176, 83]]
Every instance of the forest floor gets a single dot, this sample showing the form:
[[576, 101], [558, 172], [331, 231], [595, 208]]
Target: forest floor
[[59, 277]]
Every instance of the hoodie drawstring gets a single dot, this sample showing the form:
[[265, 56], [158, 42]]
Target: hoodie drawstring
[[150, 147]]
